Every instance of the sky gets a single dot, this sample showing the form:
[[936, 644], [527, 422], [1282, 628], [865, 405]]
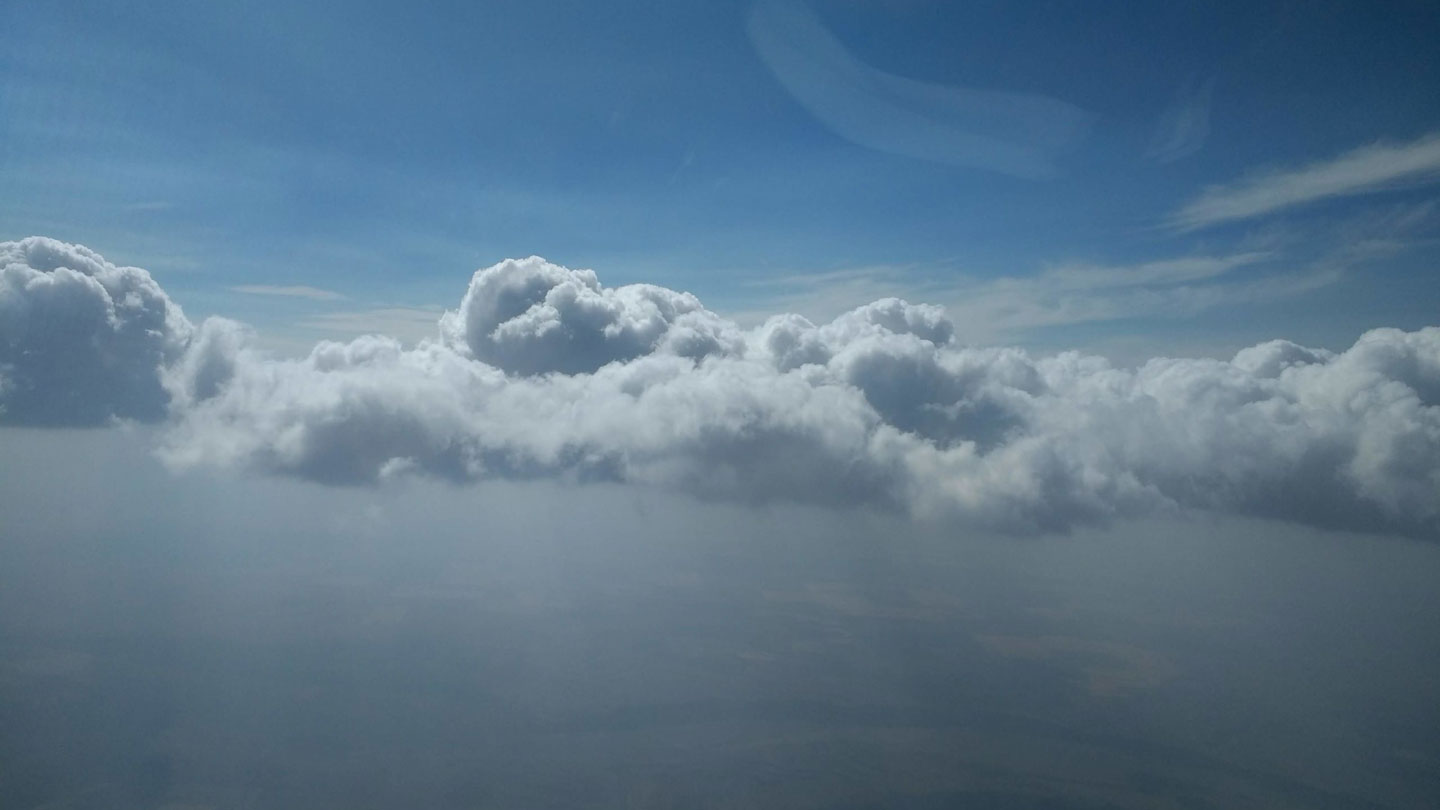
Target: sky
[[775, 403], [767, 157]]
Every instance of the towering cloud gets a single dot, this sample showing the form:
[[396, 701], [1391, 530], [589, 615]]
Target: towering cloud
[[528, 316], [81, 340], [543, 371]]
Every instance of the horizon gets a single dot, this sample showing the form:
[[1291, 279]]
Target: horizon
[[826, 404]]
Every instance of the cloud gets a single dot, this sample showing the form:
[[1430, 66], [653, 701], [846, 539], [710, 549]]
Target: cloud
[[410, 324], [531, 317], [300, 291], [1361, 171], [1012, 133], [1185, 125], [990, 309], [82, 340], [1074, 294], [543, 372]]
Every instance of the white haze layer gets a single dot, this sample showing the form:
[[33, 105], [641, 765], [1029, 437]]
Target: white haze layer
[[543, 372]]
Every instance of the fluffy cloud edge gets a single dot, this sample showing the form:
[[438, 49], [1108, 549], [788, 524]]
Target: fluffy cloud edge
[[543, 371]]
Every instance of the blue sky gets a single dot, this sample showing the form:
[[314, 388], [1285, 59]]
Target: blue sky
[[1136, 178]]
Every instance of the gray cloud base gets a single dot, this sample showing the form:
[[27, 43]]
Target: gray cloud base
[[544, 372]]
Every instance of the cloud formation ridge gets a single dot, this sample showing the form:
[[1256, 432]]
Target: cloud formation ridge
[[544, 372], [81, 340]]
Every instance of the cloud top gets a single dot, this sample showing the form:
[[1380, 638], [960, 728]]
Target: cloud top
[[82, 341], [545, 372], [528, 316]]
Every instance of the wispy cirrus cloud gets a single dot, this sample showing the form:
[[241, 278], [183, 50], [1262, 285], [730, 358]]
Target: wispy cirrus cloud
[[295, 291], [1184, 126], [1361, 171], [409, 324], [1006, 307], [1075, 294]]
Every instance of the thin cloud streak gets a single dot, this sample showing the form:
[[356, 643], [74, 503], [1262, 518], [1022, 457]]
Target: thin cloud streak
[[296, 291], [409, 324], [1184, 127], [1361, 171], [989, 310]]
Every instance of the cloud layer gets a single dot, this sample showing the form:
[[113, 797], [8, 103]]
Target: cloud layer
[[545, 372]]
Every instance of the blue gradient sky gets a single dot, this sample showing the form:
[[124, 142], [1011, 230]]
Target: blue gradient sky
[[1135, 178]]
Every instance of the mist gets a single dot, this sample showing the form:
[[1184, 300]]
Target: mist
[[230, 640]]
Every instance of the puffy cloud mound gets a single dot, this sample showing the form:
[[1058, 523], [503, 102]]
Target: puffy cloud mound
[[81, 340], [528, 317], [84, 342], [544, 372]]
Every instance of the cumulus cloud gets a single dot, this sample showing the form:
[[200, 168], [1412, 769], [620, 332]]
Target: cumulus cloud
[[529, 316], [545, 372], [81, 340], [84, 342]]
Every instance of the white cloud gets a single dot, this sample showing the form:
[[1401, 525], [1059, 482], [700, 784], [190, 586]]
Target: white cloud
[[409, 324], [986, 310], [297, 291], [530, 316], [81, 340], [544, 372], [1368, 169], [1185, 125]]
